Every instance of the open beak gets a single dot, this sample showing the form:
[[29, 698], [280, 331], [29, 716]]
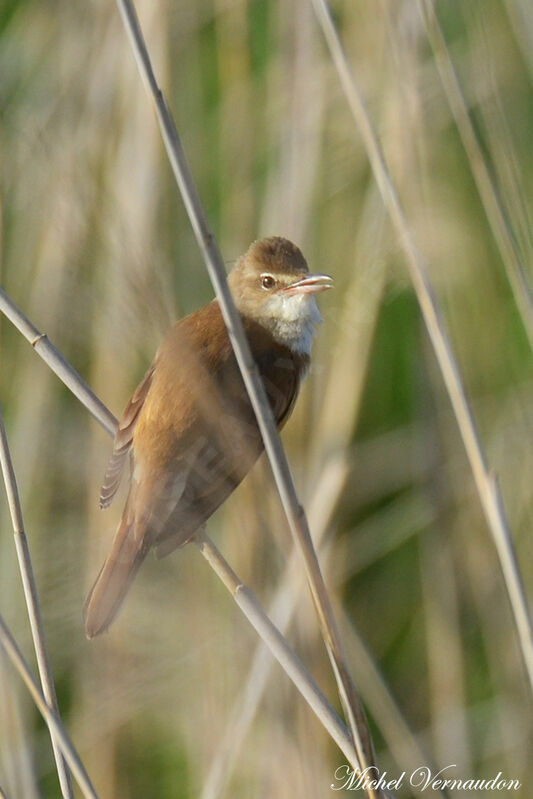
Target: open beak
[[310, 284]]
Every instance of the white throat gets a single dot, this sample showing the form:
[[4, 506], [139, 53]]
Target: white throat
[[292, 320]]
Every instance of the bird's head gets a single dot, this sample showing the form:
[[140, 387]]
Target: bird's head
[[272, 285]]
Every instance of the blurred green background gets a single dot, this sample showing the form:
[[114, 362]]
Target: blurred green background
[[97, 250]]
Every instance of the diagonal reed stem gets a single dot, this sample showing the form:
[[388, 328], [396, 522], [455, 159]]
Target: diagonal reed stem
[[57, 363], [498, 222], [485, 480], [32, 602], [296, 517], [278, 646], [8, 643], [403, 744]]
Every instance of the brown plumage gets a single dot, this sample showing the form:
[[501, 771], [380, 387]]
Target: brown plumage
[[189, 430]]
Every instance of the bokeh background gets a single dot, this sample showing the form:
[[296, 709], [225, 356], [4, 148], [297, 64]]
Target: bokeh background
[[97, 250]]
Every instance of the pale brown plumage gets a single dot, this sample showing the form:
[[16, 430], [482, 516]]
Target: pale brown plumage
[[189, 431]]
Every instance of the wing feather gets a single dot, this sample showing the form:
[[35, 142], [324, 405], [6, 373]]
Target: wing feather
[[123, 440], [226, 456]]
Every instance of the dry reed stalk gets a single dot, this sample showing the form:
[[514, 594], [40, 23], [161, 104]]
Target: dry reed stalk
[[519, 13], [58, 732], [442, 624], [406, 747], [485, 480], [509, 174], [289, 192], [446, 676], [295, 513], [340, 407], [333, 433], [378, 698], [277, 643], [57, 363], [488, 192], [17, 752], [32, 601], [281, 611]]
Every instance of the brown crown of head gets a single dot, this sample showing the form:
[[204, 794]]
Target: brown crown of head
[[274, 256]]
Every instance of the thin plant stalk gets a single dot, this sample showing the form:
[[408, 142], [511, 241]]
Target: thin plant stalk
[[32, 601], [60, 735], [398, 737], [334, 425], [281, 611], [277, 643], [294, 511], [519, 13], [57, 363], [485, 480], [488, 193]]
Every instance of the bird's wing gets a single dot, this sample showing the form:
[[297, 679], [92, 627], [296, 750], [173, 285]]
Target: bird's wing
[[221, 442], [222, 458], [123, 440], [214, 473], [185, 466], [282, 379]]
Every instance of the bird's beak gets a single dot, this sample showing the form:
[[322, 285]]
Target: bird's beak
[[310, 284]]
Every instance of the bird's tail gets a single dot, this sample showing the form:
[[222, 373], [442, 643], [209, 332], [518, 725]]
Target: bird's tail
[[113, 581]]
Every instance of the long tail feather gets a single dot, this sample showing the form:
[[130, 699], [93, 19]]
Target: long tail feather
[[113, 581]]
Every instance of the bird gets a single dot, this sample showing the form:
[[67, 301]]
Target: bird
[[189, 434]]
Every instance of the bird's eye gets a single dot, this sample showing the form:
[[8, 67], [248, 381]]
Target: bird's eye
[[267, 281]]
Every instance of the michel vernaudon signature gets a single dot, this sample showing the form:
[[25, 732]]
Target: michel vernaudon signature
[[422, 778]]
